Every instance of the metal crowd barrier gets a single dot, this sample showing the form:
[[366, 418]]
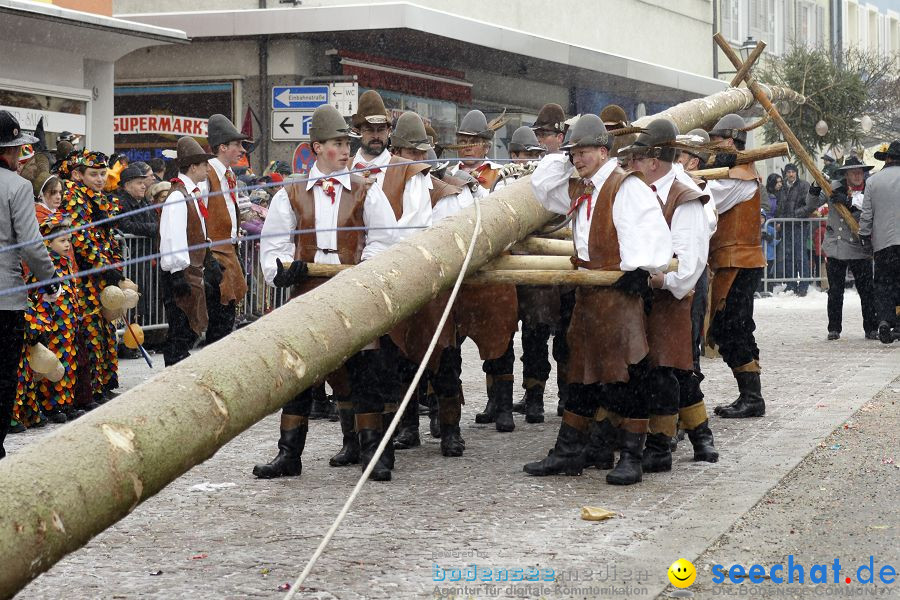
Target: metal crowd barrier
[[798, 258], [149, 314]]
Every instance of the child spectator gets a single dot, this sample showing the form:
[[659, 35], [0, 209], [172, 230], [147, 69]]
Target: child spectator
[[55, 324]]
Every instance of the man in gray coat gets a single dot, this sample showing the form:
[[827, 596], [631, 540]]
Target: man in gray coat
[[879, 227], [794, 259], [843, 248], [17, 224]]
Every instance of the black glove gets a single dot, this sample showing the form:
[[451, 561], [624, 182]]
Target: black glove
[[36, 336], [212, 270], [815, 190], [180, 286], [865, 241], [725, 160], [113, 276], [51, 288], [635, 282], [840, 197], [293, 275]]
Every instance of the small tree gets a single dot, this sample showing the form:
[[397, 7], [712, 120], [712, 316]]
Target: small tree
[[839, 94]]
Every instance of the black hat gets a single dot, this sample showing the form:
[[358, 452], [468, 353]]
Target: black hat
[[10, 132], [790, 167], [135, 170], [892, 151], [854, 163]]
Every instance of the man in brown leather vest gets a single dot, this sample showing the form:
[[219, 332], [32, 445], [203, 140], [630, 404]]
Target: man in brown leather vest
[[617, 225], [182, 228], [669, 332], [329, 199], [489, 314], [226, 283], [736, 260], [410, 141]]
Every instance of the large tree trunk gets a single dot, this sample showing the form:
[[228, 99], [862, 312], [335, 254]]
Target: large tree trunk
[[114, 458]]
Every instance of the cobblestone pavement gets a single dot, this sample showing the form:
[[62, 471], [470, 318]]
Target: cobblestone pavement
[[249, 538]]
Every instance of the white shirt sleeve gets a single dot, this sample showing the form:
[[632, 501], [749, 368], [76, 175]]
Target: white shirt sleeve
[[644, 238], [277, 239], [728, 193], [377, 214], [550, 183], [690, 241], [416, 206], [173, 241]]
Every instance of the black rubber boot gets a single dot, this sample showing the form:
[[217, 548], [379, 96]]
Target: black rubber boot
[[387, 457], [321, 407], [563, 386], [450, 410], [349, 452], [885, 334], [434, 422], [503, 392], [408, 431], [628, 470], [287, 463], [657, 454], [750, 403], [702, 440], [599, 451], [534, 403], [567, 456], [489, 414], [369, 427]]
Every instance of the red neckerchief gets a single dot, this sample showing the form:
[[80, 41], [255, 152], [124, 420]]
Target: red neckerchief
[[585, 197], [232, 185], [477, 173], [327, 186], [857, 188], [204, 212], [368, 170]]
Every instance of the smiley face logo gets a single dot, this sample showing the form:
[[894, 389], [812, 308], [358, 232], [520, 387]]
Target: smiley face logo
[[682, 573]]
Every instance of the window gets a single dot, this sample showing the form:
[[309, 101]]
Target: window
[[762, 20], [731, 20]]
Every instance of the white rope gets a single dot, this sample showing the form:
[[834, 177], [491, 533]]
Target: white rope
[[397, 416]]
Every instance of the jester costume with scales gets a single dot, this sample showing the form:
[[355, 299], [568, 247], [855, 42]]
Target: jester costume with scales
[[84, 203], [58, 322]]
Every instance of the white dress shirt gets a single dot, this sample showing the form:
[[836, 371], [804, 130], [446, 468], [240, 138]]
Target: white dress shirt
[[451, 205], [690, 239], [220, 169], [378, 214], [712, 214], [278, 234], [728, 193], [644, 238], [376, 163], [173, 242]]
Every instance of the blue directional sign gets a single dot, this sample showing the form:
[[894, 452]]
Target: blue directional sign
[[303, 97]]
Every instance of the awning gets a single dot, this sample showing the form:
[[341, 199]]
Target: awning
[[228, 24]]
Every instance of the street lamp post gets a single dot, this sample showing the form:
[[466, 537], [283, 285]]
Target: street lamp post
[[747, 47]]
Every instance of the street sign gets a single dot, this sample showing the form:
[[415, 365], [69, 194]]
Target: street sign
[[306, 97], [291, 125], [303, 158], [344, 97]]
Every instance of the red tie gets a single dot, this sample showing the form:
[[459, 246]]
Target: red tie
[[327, 186], [652, 187], [204, 212], [369, 170], [232, 185], [585, 197]]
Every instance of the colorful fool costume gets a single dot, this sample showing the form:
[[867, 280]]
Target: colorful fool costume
[[95, 247], [57, 323]]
